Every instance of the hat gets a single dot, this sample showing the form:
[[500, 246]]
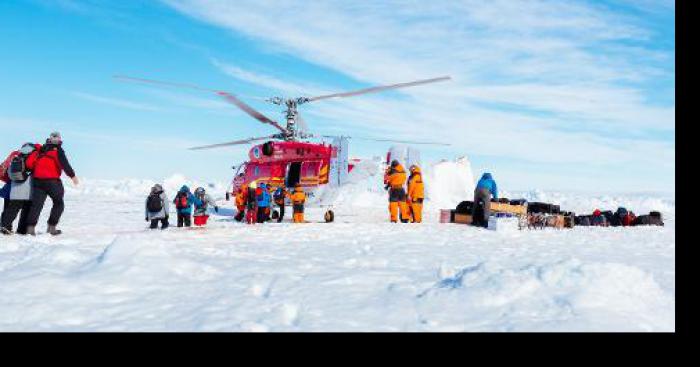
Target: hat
[[27, 148], [394, 163], [55, 137]]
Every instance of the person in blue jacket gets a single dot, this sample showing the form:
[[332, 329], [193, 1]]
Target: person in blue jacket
[[183, 203], [485, 189], [264, 200]]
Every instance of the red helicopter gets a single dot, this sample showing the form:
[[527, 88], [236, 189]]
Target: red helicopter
[[288, 157]]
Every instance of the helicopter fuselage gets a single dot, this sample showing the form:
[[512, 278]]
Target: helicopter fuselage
[[286, 163]]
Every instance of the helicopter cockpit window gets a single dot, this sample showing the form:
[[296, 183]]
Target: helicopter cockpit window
[[267, 148]]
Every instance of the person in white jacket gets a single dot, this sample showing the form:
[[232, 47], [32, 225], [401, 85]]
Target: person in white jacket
[[157, 207]]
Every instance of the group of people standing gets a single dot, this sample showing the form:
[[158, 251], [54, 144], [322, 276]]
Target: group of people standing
[[188, 205], [254, 203], [31, 174], [406, 203]]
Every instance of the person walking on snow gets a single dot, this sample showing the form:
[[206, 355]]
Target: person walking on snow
[[263, 197], [157, 207], [17, 190], [251, 204], [395, 179], [202, 200], [485, 188], [416, 193], [279, 196], [298, 199], [47, 164], [183, 204]]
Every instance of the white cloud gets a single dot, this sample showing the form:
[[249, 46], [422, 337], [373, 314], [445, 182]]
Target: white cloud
[[545, 81]]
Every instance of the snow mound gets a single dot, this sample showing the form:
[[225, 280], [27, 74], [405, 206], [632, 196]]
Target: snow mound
[[139, 188], [574, 295], [448, 183]]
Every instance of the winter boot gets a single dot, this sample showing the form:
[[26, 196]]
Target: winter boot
[[5, 231], [53, 231], [31, 231]]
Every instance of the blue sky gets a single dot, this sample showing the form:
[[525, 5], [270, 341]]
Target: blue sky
[[545, 94]]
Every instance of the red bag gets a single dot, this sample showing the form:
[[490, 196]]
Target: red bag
[[5, 165]]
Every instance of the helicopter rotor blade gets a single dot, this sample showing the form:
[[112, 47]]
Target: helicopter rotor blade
[[379, 88], [235, 142], [394, 141], [225, 95], [250, 110]]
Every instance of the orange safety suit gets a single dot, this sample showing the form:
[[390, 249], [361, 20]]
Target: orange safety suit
[[416, 194], [396, 179], [298, 199]]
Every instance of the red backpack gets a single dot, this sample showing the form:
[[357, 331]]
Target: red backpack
[[628, 220], [5, 166], [181, 202]]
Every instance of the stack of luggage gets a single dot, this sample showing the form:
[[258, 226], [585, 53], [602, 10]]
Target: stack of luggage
[[541, 215], [620, 218], [500, 210]]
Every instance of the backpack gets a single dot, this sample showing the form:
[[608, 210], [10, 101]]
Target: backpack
[[18, 169], [181, 201], [583, 220], [621, 212], [279, 196], [154, 203], [465, 207], [629, 219]]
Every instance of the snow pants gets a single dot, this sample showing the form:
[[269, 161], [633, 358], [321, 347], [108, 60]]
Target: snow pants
[[417, 210], [40, 190], [251, 216], [279, 220], [10, 210], [241, 213], [201, 220], [163, 223], [397, 202], [184, 219], [482, 195], [298, 216], [263, 214]]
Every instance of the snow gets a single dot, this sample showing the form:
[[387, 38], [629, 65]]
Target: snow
[[107, 272]]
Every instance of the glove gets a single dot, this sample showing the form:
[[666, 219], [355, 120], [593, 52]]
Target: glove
[[146, 219], [75, 180], [216, 209], [386, 187]]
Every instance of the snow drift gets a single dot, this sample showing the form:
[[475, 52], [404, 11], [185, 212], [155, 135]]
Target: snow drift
[[109, 273]]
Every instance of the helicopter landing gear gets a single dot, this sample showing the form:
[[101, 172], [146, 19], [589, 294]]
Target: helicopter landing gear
[[329, 216]]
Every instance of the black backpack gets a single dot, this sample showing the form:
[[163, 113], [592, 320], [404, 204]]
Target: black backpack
[[154, 203], [18, 169], [464, 207]]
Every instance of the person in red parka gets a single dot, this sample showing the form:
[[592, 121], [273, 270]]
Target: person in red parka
[[47, 165]]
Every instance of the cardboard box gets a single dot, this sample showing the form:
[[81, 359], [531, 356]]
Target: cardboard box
[[507, 208], [504, 224], [463, 218], [445, 216]]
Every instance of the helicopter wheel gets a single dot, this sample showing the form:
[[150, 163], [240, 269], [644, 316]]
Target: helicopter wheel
[[329, 216]]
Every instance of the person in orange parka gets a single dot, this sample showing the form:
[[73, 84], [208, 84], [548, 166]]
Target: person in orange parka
[[240, 203], [395, 180], [416, 193], [298, 198]]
